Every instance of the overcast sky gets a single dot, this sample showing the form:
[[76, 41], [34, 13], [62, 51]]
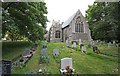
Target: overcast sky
[[63, 9]]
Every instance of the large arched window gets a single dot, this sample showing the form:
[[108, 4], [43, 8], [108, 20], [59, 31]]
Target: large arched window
[[79, 25], [57, 34]]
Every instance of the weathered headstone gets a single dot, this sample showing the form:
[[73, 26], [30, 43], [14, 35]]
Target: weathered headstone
[[44, 52], [74, 45], [56, 52], [81, 46], [6, 67], [27, 53], [83, 49], [80, 41], [109, 44], [89, 46], [67, 43]]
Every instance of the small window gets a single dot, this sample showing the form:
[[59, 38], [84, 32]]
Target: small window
[[57, 34]]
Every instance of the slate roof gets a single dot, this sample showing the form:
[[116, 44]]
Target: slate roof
[[67, 22]]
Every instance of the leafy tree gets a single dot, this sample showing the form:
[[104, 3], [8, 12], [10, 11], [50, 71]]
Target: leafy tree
[[25, 17], [103, 20]]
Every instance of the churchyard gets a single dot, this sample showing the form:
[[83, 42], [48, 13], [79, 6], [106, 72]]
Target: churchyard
[[49, 59]]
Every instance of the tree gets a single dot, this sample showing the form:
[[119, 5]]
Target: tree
[[25, 16], [103, 20]]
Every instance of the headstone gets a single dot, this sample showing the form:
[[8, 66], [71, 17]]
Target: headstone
[[80, 41], [55, 52], [6, 67], [66, 62], [109, 44], [27, 53], [67, 43], [81, 46], [83, 49], [74, 45], [44, 52], [89, 46]]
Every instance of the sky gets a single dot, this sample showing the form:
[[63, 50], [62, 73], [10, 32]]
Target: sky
[[63, 9]]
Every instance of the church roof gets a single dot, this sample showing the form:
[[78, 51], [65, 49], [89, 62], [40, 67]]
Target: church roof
[[67, 22]]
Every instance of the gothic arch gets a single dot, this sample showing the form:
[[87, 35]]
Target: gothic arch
[[57, 34], [79, 25]]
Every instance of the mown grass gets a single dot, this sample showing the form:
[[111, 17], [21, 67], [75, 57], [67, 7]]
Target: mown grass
[[89, 63], [10, 50]]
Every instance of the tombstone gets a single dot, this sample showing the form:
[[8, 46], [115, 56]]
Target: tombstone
[[27, 53], [89, 46], [44, 52], [81, 46], [83, 49], [64, 63], [55, 52], [74, 45], [109, 44], [67, 43], [6, 66], [80, 41]]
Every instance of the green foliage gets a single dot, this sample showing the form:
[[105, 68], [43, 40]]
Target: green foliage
[[28, 19], [103, 20], [11, 50]]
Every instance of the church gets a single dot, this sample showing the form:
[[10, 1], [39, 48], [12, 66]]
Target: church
[[73, 29]]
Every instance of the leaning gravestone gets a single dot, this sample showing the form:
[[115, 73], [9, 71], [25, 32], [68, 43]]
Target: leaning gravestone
[[55, 52]]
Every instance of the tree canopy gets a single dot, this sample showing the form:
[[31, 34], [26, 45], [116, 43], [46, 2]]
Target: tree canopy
[[104, 20], [26, 19]]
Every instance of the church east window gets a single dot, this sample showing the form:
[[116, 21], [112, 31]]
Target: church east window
[[57, 34], [79, 25]]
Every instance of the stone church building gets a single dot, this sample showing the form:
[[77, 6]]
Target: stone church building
[[73, 29]]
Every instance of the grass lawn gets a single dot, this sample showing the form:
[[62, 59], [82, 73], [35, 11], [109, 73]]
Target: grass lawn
[[89, 63]]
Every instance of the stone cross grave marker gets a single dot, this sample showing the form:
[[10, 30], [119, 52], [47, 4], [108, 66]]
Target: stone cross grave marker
[[56, 52]]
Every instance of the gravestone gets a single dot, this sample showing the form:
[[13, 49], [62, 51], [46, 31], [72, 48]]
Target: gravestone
[[66, 62], [83, 49], [80, 41], [55, 52], [89, 46], [81, 46], [67, 43], [27, 53], [44, 52], [74, 45], [6, 67], [109, 44]]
